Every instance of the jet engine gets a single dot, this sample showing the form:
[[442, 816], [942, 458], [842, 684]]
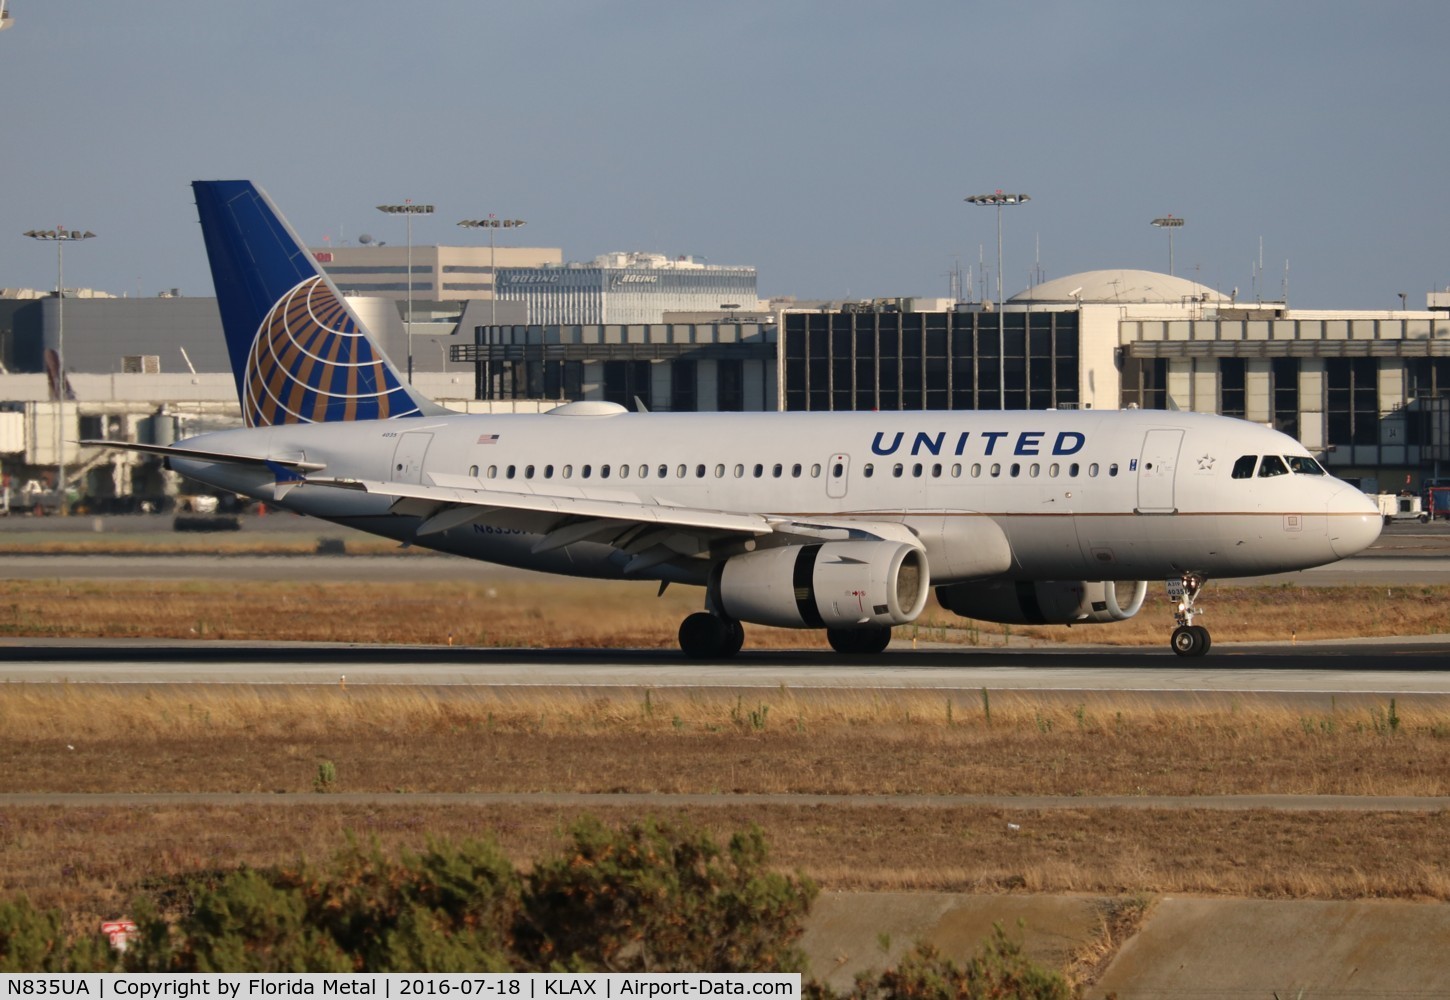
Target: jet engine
[[827, 585], [1042, 602]]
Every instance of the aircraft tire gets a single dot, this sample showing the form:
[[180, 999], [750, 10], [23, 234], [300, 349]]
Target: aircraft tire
[[704, 636], [1190, 640], [852, 641], [735, 638]]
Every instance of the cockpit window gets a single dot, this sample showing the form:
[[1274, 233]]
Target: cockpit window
[[1272, 465], [1304, 465], [1244, 467]]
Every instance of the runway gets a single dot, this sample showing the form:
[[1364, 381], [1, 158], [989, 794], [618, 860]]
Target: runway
[[1362, 667]]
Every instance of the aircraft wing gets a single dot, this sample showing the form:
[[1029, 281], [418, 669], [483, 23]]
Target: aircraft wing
[[650, 531]]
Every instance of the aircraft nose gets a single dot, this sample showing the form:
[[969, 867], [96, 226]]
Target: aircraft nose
[[1354, 521]]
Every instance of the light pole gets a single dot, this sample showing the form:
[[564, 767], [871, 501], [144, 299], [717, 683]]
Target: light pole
[[1169, 223], [408, 210], [999, 199], [492, 223], [60, 236]]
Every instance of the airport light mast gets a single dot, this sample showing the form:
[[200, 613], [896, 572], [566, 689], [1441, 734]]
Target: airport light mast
[[492, 223], [1169, 223], [60, 236], [408, 210], [998, 199]]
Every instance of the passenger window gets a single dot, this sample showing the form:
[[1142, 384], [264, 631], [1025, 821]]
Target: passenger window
[[739, 471], [1072, 470], [1304, 466], [509, 473], [936, 470], [528, 472], [664, 472], [777, 470], [976, 470], [1244, 467], [584, 471], [816, 470], [1016, 470], [568, 471], [1093, 469], [759, 470], [1034, 470], [473, 471], [956, 470], [795, 471], [699, 472], [838, 470], [493, 472], [897, 469], [719, 472], [604, 472], [624, 472], [548, 472], [1113, 469], [1053, 470], [867, 470], [996, 470], [916, 470], [1272, 465], [681, 472]]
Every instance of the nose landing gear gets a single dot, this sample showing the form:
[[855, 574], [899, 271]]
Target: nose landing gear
[[1188, 639]]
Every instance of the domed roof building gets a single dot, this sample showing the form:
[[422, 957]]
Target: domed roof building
[[1121, 286]]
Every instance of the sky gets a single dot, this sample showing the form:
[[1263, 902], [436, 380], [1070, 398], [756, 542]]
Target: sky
[[828, 143]]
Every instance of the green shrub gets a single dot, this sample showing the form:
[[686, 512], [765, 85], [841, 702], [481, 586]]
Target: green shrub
[[660, 898], [998, 970], [451, 908], [35, 941]]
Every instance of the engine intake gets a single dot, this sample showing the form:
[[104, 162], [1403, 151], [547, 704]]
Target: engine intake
[[1042, 602], [827, 585]]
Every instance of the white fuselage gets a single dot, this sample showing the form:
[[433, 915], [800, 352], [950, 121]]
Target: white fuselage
[[1055, 495]]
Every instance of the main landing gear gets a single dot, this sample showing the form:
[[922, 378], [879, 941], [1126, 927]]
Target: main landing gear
[[705, 636], [1188, 639]]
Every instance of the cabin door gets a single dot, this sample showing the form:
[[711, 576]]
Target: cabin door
[[1157, 468], [837, 471], [408, 456]]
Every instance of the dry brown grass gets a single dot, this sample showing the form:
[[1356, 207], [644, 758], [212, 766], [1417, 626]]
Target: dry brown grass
[[91, 861], [219, 738], [389, 739], [567, 613]]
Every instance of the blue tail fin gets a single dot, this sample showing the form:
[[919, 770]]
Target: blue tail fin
[[298, 352]]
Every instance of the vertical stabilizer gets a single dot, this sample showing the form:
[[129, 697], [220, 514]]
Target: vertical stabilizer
[[298, 352]]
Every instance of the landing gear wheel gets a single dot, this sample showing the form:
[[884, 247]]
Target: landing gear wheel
[[735, 638], [1190, 640], [859, 640], [1205, 638], [704, 636]]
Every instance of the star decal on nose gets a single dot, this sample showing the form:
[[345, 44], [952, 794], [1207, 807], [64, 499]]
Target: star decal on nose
[[1205, 464]]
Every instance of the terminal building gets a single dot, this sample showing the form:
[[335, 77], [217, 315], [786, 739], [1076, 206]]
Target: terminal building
[[1367, 391]]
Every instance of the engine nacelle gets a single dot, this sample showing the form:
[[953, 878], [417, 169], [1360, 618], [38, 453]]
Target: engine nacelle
[[1042, 602], [827, 585]]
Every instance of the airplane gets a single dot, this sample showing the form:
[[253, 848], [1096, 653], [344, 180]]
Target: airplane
[[841, 521]]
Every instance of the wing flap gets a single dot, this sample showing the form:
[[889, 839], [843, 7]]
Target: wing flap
[[478, 502]]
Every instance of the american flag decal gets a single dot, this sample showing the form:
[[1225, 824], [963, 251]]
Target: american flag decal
[[488, 439]]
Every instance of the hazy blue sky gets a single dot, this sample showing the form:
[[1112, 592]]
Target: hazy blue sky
[[830, 144]]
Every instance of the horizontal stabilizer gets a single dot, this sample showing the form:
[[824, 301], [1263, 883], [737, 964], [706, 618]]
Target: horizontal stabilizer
[[201, 455]]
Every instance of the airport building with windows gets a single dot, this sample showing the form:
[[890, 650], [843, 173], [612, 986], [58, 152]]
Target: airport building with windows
[[1366, 391]]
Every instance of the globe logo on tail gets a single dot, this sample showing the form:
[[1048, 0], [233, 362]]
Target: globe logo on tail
[[311, 363]]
